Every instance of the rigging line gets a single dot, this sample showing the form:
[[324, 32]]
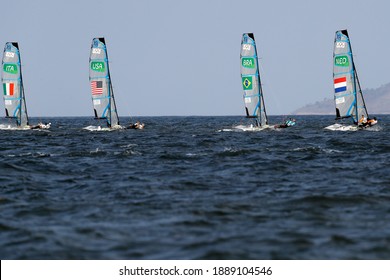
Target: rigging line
[[264, 84]]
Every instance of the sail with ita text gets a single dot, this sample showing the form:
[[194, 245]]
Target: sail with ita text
[[348, 95], [101, 86], [14, 99]]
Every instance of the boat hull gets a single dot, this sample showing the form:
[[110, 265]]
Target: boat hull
[[341, 127], [252, 127]]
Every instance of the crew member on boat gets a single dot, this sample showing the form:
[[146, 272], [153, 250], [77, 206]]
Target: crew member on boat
[[41, 126], [137, 125], [287, 123], [367, 121], [371, 122], [363, 120]]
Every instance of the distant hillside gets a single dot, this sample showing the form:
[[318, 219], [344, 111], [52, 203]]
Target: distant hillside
[[377, 102]]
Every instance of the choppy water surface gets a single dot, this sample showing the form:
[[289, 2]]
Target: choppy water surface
[[182, 189]]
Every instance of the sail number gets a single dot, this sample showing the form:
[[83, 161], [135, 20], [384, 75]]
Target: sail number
[[340, 45], [246, 47]]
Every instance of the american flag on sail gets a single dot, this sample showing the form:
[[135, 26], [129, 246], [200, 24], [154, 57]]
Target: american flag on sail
[[97, 87], [340, 84]]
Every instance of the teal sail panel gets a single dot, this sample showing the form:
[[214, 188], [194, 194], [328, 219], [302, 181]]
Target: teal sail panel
[[348, 96], [11, 78], [250, 79], [100, 81]]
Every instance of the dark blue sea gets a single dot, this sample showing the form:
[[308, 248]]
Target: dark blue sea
[[183, 189]]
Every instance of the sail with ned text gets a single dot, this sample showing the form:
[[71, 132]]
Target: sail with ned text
[[348, 96]]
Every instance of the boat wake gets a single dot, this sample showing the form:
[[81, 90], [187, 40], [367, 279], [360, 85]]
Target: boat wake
[[37, 127], [9, 127], [99, 128], [253, 128], [373, 128], [340, 127]]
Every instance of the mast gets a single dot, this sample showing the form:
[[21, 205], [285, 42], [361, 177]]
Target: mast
[[260, 84], [23, 105], [112, 104], [354, 74], [360, 94], [109, 88]]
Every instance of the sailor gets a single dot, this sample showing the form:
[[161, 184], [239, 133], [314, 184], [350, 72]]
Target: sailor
[[133, 125], [140, 125], [287, 123], [371, 122], [363, 120], [136, 125], [41, 126], [290, 122], [44, 125]]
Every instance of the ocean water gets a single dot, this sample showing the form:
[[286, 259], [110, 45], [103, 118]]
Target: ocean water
[[183, 189]]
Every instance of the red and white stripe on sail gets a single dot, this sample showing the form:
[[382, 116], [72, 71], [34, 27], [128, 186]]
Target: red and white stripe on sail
[[97, 87], [340, 84]]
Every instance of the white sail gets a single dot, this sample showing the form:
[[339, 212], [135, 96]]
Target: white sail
[[100, 81], [12, 80], [251, 83], [348, 96]]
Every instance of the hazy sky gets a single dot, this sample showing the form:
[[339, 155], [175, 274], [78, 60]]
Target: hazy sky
[[177, 57]]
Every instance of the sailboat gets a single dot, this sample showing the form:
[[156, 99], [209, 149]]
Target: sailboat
[[101, 86], [348, 95], [12, 80], [251, 83]]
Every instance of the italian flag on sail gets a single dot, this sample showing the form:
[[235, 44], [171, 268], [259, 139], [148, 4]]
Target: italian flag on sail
[[9, 88]]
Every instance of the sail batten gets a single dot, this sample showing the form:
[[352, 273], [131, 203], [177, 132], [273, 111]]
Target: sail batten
[[250, 78], [100, 82], [12, 81]]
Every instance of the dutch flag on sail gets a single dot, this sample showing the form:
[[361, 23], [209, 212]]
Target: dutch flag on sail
[[340, 84]]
